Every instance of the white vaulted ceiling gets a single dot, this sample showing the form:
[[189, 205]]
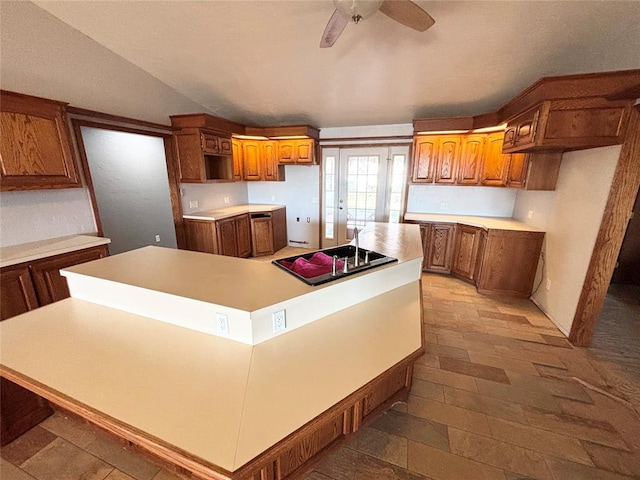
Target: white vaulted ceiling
[[258, 62]]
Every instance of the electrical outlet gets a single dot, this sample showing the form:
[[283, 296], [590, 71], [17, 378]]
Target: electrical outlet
[[530, 214], [225, 199], [222, 324], [279, 321], [443, 206], [157, 238], [548, 284], [193, 204]]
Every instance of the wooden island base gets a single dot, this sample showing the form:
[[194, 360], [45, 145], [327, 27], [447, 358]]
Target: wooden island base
[[288, 459]]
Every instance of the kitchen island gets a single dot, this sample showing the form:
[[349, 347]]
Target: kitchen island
[[218, 407]]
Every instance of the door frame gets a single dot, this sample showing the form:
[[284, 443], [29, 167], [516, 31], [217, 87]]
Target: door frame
[[353, 143], [171, 163], [617, 212]]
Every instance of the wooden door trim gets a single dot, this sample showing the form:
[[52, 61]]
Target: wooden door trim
[[624, 189], [171, 162]]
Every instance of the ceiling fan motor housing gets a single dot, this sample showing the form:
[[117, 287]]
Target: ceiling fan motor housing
[[357, 10]]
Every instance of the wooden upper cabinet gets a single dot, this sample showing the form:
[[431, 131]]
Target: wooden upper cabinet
[[36, 148], [495, 165], [470, 164], [568, 124], [518, 170], [292, 152], [251, 159], [236, 153], [448, 154], [304, 151], [425, 152], [270, 160]]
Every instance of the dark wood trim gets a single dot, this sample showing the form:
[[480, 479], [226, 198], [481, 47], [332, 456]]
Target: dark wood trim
[[602, 84], [117, 118], [284, 131], [172, 171], [624, 189], [368, 145], [442, 123], [87, 175]]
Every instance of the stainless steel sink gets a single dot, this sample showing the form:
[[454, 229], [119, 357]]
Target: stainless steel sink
[[316, 268]]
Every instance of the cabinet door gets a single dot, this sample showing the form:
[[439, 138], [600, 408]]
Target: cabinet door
[[236, 149], [447, 165], [304, 151], [190, 159], [251, 157], [495, 165], [50, 285], [35, 152], [518, 170], [201, 236], [270, 160], [439, 247], [17, 293], [262, 236], [224, 146], [466, 251], [210, 144], [425, 228], [287, 151], [470, 165], [526, 128], [226, 233], [243, 235], [425, 151]]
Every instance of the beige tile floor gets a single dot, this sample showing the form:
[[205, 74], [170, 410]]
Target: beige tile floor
[[500, 394]]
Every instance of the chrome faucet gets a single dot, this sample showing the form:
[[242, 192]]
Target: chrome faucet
[[356, 260]]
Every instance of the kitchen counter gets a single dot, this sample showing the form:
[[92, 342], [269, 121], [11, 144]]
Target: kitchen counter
[[220, 213], [215, 405], [28, 252], [160, 283], [495, 223]]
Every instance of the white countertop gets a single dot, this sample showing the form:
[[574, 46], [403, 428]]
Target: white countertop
[[221, 213], [236, 282], [222, 401], [489, 223], [28, 252]]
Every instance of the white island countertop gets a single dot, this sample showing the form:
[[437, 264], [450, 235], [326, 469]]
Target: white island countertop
[[28, 252], [220, 213], [489, 223], [220, 401]]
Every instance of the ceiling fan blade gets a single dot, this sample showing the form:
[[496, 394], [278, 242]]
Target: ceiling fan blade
[[407, 13], [334, 28]]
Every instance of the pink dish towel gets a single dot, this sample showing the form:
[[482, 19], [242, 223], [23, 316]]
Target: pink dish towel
[[319, 264]]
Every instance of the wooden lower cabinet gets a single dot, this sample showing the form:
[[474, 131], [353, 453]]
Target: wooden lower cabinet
[[25, 287], [229, 236], [268, 232], [510, 262], [496, 261], [437, 242], [467, 252]]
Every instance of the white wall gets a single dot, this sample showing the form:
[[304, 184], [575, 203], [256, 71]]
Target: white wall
[[571, 217], [131, 185], [300, 194], [451, 200], [30, 216], [45, 57], [211, 196]]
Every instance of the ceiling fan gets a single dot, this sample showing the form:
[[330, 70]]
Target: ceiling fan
[[403, 11]]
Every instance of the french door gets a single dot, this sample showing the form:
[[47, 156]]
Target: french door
[[361, 185]]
